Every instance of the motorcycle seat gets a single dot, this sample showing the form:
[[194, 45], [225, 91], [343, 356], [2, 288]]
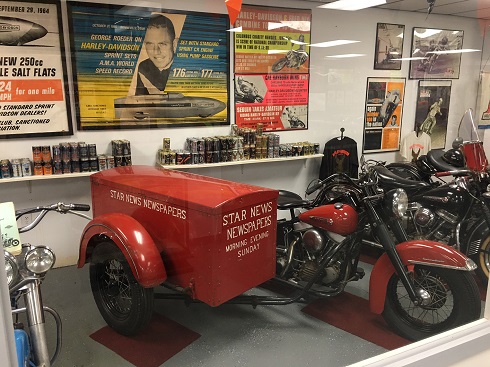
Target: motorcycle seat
[[290, 200], [390, 180], [434, 158]]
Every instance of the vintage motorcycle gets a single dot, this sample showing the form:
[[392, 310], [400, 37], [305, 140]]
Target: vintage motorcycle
[[293, 59], [25, 274], [421, 287], [421, 294], [458, 212]]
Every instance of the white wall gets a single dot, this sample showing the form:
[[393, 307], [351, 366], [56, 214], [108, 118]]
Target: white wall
[[337, 97]]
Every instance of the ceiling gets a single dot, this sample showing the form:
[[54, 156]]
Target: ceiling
[[463, 8]]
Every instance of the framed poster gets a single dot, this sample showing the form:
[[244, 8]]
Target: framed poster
[[436, 53], [389, 46], [433, 97], [138, 67], [272, 67], [383, 114], [483, 112], [33, 86]]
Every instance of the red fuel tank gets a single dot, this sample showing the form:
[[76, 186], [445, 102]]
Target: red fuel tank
[[338, 218]]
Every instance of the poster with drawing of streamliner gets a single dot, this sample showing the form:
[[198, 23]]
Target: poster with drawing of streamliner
[[33, 88], [138, 67]]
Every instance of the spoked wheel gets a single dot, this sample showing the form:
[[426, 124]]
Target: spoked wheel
[[124, 304], [279, 65], [483, 260], [454, 301]]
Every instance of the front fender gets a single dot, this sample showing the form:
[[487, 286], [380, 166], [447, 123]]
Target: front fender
[[422, 252], [134, 242]]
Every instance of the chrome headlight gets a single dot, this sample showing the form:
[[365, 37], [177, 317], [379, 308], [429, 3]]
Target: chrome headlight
[[39, 259], [11, 268], [397, 199]]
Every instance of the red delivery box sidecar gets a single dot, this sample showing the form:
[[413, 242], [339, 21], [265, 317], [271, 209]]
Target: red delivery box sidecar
[[212, 237]]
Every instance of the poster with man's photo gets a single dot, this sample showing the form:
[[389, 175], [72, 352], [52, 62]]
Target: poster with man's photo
[[383, 114], [432, 112], [138, 67]]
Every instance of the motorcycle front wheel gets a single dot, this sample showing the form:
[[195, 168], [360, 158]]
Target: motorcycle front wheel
[[454, 301], [279, 65], [483, 260], [124, 304]]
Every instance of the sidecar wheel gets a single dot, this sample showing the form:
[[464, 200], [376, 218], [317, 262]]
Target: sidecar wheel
[[483, 260], [279, 65], [124, 304], [454, 296]]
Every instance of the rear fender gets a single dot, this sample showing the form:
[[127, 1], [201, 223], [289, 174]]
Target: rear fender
[[420, 252], [133, 240]]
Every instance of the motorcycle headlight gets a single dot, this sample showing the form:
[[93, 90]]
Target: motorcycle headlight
[[11, 268], [397, 199], [39, 259]]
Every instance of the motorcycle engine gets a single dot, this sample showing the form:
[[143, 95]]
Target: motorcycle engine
[[430, 224]]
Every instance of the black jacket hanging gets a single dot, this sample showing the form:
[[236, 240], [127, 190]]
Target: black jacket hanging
[[340, 156]]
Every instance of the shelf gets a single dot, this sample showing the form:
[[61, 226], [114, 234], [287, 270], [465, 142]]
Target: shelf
[[46, 177], [241, 163]]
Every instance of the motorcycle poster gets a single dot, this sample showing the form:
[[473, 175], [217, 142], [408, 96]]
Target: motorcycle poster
[[483, 114], [383, 114], [8, 229], [137, 67], [389, 46], [435, 53], [279, 102], [432, 112]]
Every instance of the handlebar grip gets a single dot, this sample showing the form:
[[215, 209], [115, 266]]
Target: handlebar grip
[[442, 174], [81, 207], [313, 188]]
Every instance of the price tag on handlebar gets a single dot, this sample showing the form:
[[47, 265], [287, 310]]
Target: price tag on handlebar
[[9, 231]]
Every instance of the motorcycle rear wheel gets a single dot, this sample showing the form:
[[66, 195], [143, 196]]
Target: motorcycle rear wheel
[[124, 304], [455, 301], [483, 260], [279, 65]]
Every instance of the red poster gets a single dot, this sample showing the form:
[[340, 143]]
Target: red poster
[[279, 101]]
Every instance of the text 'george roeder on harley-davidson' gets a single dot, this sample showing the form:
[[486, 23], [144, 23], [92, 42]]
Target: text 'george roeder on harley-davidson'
[[214, 253]]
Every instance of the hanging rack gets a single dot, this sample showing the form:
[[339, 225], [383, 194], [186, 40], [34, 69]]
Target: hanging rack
[[342, 133]]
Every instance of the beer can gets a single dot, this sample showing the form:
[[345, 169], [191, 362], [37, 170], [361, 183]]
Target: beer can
[[239, 144], [316, 148], [195, 158], [241, 156], [74, 152], [208, 156], [252, 137], [200, 145], [172, 158], [75, 166], [26, 167], [223, 155], [16, 168], [102, 162], [36, 154], [66, 166], [117, 148], [92, 150], [47, 168], [192, 145], [83, 149], [246, 152], [234, 155], [38, 169], [208, 144], [57, 168], [111, 163], [118, 160], [84, 165], [216, 156], [270, 152], [246, 136], [93, 164], [234, 129], [166, 144], [126, 147], [295, 150], [65, 152], [57, 153], [259, 128], [252, 151], [127, 161]]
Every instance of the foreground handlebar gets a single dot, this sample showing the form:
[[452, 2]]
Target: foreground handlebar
[[459, 172], [80, 207]]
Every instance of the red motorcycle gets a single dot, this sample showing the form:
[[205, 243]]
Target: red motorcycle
[[200, 237]]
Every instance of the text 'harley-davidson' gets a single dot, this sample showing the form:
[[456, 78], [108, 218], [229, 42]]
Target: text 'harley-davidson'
[[25, 274], [137, 242]]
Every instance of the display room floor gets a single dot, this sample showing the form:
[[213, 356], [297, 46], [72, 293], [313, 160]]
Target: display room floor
[[322, 333]]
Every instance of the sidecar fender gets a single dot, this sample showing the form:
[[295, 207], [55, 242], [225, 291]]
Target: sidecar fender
[[134, 242], [421, 252]]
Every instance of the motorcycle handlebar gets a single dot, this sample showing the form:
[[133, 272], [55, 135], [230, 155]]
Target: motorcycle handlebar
[[460, 172]]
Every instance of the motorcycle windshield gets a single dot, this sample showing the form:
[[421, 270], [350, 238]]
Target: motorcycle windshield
[[468, 129]]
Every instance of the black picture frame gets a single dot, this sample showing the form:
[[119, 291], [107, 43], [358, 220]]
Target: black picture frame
[[389, 46]]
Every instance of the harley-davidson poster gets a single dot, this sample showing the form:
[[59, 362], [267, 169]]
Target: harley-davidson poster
[[140, 67]]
